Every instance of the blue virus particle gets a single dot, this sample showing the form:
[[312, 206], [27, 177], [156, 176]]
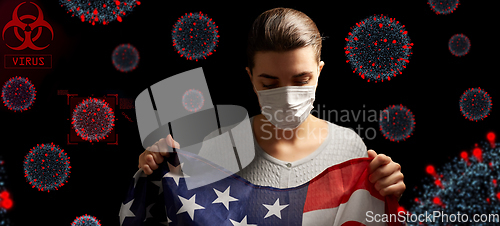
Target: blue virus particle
[[195, 36], [468, 184], [125, 57], [93, 119], [193, 100], [475, 104], [99, 11], [459, 45], [5, 199], [443, 7], [397, 123], [18, 94], [378, 48], [46, 167], [86, 220]]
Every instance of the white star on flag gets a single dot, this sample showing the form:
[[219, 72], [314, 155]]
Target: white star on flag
[[275, 209], [189, 206], [224, 197], [159, 184], [175, 172], [148, 213], [125, 211], [242, 223], [137, 175]]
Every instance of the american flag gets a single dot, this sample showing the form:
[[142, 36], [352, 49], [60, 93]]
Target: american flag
[[340, 195]]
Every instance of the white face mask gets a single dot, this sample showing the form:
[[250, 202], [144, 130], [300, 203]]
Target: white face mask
[[287, 107]]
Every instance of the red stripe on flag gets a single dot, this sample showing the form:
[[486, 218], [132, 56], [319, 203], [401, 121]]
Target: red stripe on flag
[[336, 184]]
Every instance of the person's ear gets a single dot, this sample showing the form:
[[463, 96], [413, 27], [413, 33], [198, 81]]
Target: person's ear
[[248, 72], [320, 66], [251, 80]]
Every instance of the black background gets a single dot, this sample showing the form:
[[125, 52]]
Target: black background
[[430, 87]]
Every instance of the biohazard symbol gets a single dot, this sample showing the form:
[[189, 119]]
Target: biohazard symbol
[[27, 40]]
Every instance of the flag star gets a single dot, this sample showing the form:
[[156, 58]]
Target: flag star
[[275, 209], [224, 197], [159, 184], [175, 172], [148, 212], [168, 219], [140, 173], [166, 222], [242, 223], [189, 206], [125, 211]]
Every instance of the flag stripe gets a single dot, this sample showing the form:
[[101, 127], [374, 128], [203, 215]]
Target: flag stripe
[[335, 185], [354, 210]]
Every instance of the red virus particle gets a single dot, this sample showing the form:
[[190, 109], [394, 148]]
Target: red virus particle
[[195, 36], [93, 119], [99, 11], [5, 200], [397, 123], [193, 100], [459, 45], [86, 220], [468, 184], [46, 167], [18, 94], [378, 48], [443, 7], [475, 104], [125, 58]]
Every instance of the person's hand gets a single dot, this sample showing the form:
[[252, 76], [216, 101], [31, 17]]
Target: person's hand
[[153, 155], [386, 175]]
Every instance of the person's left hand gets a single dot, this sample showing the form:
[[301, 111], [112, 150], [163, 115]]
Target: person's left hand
[[386, 175]]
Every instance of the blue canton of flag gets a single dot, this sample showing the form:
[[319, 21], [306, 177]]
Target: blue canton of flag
[[340, 195]]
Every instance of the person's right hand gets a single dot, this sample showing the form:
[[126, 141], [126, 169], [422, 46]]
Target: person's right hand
[[153, 155]]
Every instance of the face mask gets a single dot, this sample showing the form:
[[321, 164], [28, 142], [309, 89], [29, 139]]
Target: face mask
[[287, 107]]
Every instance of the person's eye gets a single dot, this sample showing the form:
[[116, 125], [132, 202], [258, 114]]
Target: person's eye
[[303, 82], [267, 86]]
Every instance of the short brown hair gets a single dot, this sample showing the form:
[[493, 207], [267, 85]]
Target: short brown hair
[[282, 29]]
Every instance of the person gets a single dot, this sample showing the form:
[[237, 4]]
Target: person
[[292, 146]]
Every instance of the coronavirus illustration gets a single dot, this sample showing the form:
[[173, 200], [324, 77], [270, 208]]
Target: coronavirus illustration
[[86, 220], [397, 123], [193, 100], [18, 94], [6, 202], [93, 119], [378, 48], [475, 104], [468, 185], [443, 7], [47, 167], [125, 57], [459, 45], [195, 36], [99, 11]]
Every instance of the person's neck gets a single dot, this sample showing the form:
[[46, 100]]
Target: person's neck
[[286, 135]]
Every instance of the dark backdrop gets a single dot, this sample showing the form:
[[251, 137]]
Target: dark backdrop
[[430, 87]]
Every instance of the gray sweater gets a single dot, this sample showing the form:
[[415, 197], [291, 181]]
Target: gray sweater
[[341, 145]]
